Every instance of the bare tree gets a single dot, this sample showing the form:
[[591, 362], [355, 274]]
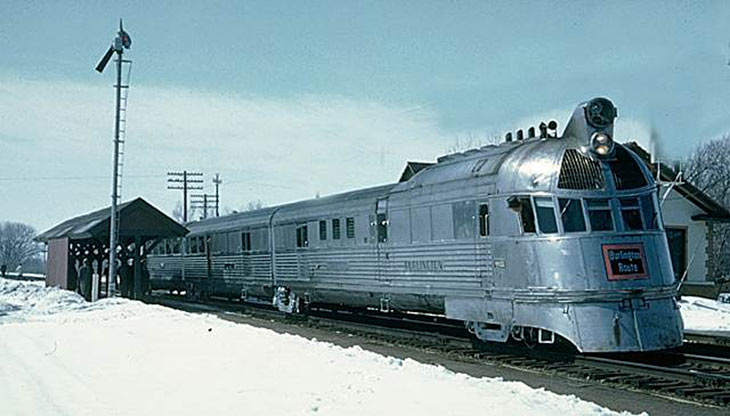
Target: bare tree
[[708, 168], [16, 244], [471, 141], [254, 205], [177, 213]]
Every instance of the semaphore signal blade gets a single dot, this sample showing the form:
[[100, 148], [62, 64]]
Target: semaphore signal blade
[[105, 59]]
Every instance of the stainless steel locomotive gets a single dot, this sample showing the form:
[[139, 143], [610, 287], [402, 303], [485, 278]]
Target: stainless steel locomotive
[[536, 238]]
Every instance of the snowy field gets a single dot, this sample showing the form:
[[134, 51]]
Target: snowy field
[[60, 355], [705, 315]]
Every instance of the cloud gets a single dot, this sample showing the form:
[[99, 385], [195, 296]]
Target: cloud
[[273, 149], [56, 144]]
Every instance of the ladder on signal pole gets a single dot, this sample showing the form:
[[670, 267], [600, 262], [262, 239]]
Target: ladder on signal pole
[[126, 64]]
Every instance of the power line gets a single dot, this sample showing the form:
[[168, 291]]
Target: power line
[[188, 183], [204, 202]]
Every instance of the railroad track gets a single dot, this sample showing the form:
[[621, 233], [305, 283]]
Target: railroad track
[[684, 373]]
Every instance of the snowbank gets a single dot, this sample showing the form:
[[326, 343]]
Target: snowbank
[[62, 355], [704, 315]]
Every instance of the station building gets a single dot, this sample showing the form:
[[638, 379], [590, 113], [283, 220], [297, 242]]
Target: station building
[[691, 218], [87, 237]]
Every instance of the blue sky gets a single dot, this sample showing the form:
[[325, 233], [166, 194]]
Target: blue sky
[[343, 91]]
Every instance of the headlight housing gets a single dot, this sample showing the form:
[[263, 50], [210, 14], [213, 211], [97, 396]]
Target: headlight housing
[[601, 143]]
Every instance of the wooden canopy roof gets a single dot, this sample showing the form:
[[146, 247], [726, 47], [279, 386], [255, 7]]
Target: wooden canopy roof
[[138, 218]]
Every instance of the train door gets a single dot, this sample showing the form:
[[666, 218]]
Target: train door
[[483, 245], [302, 233], [381, 240]]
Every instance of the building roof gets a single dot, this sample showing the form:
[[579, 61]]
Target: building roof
[[412, 168], [714, 211], [138, 218]]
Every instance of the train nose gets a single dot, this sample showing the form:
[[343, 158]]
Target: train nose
[[634, 324]]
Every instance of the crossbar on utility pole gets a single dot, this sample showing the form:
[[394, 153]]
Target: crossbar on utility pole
[[188, 181]]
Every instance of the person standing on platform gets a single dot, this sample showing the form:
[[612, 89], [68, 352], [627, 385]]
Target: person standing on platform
[[85, 280], [3, 270]]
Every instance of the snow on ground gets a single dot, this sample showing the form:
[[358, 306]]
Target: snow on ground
[[60, 355], [704, 315]]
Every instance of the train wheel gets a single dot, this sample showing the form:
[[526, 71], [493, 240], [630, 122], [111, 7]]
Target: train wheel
[[530, 337]]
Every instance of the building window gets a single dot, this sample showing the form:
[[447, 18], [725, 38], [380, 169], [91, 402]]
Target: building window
[[323, 230], [546, 215], [246, 241], [483, 220], [302, 237], [571, 214], [335, 228], [599, 214], [630, 213], [350, 226]]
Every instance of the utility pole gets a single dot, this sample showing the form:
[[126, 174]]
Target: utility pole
[[187, 181], [217, 181], [204, 202], [121, 42]]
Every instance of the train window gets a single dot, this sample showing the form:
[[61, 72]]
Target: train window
[[194, 245], [350, 226], [201, 244], [382, 222], [631, 214], [246, 241], [335, 228], [176, 246], [523, 207], [463, 213], [571, 213], [651, 219], [219, 243], [483, 220], [545, 208], [302, 236], [234, 243], [599, 214], [323, 230]]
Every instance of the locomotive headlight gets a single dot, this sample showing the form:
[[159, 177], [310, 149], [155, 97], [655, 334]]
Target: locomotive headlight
[[601, 143]]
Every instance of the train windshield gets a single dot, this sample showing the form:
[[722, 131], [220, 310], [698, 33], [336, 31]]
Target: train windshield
[[571, 214], [631, 214], [546, 215], [599, 214]]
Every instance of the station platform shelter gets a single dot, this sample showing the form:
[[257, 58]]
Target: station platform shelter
[[141, 226]]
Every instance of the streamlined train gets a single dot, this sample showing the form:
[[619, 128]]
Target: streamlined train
[[539, 238]]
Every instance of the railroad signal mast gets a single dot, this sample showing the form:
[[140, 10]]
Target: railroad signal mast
[[121, 42], [185, 181]]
